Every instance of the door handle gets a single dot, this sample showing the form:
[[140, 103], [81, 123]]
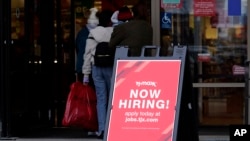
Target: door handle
[[11, 42]]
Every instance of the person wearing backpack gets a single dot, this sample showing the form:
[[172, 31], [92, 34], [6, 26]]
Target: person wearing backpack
[[81, 38], [101, 72]]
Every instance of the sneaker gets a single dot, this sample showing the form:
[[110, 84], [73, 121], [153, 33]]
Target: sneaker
[[101, 135], [91, 134]]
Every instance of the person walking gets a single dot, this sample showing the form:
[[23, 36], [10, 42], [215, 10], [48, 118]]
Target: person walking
[[101, 75], [135, 33], [81, 38]]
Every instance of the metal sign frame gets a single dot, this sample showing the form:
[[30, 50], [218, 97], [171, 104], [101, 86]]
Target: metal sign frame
[[179, 53]]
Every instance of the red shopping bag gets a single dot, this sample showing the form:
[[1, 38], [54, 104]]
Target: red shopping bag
[[80, 108]]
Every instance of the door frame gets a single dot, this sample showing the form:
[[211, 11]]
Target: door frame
[[5, 43], [155, 21], [247, 104]]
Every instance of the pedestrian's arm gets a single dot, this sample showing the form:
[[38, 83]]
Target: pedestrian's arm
[[117, 37], [86, 68]]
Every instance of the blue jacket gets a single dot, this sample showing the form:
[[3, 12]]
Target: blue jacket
[[80, 47]]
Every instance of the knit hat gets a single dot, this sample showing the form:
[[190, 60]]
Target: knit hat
[[92, 17], [124, 14]]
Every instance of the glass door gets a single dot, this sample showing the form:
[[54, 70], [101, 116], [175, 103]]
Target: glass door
[[14, 66], [220, 64], [4, 71], [216, 40], [37, 64]]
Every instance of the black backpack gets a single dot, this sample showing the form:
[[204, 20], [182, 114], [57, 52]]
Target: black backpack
[[104, 55]]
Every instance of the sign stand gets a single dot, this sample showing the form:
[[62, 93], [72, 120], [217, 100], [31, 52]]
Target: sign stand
[[152, 98]]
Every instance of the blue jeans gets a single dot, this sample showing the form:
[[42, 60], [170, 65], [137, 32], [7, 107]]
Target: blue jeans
[[102, 81]]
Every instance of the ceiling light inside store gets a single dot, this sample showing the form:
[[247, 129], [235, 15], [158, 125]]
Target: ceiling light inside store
[[98, 4]]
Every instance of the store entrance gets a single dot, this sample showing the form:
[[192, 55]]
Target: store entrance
[[37, 63]]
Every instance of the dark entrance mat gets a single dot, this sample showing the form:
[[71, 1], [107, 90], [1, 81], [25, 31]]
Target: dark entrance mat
[[57, 133]]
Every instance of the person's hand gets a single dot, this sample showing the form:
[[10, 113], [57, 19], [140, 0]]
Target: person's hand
[[85, 80]]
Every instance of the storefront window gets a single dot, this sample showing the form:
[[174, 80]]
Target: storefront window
[[215, 34]]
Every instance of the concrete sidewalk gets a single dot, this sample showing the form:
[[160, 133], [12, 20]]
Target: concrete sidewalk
[[201, 138], [49, 139], [72, 134]]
